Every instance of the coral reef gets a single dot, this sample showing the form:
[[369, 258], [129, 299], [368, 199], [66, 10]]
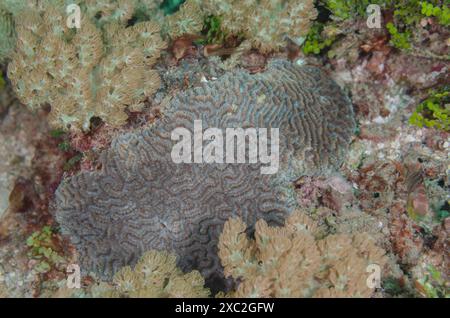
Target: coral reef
[[142, 200], [98, 70], [123, 196], [290, 262], [264, 23], [187, 20], [154, 276]]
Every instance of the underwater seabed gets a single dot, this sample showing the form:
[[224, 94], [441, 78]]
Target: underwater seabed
[[109, 187]]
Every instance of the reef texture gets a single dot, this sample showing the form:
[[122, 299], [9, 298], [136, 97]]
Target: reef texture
[[9, 9], [265, 23], [289, 262], [156, 275], [187, 20], [7, 36], [142, 200], [98, 70]]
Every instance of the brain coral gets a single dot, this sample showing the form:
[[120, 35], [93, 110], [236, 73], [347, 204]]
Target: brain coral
[[141, 199]]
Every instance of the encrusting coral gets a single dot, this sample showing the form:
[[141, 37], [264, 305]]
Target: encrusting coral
[[141, 199], [98, 70], [154, 276], [265, 23], [290, 261]]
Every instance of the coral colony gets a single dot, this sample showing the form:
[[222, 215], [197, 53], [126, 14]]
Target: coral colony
[[139, 179], [222, 148]]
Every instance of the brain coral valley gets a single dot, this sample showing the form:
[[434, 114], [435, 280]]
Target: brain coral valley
[[141, 200]]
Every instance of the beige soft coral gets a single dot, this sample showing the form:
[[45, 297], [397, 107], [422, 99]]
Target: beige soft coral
[[155, 275], [290, 261], [99, 70]]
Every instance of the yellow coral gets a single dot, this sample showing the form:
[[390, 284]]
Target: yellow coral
[[290, 262], [99, 70], [155, 275]]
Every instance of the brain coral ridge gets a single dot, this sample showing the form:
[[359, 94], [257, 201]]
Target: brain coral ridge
[[142, 200]]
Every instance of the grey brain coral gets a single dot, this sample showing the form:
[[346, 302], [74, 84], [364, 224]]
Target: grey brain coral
[[141, 200]]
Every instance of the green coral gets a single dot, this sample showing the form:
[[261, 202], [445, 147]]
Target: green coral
[[434, 112]]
